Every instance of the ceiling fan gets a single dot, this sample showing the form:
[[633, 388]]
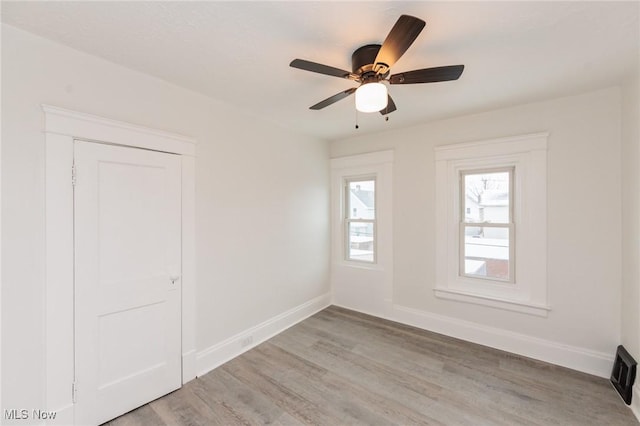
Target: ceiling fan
[[371, 65]]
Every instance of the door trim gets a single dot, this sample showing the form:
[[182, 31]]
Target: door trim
[[62, 127]]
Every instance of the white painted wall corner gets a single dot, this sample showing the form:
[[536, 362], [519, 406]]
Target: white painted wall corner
[[216, 355]]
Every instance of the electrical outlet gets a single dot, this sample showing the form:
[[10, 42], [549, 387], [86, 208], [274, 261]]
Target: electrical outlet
[[246, 341]]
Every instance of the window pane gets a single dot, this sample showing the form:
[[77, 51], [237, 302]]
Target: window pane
[[362, 199], [361, 241], [486, 252], [486, 197]]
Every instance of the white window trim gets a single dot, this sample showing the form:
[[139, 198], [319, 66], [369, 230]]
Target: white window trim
[[377, 165], [528, 154]]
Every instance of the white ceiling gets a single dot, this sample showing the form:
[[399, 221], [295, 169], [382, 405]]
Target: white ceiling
[[239, 52]]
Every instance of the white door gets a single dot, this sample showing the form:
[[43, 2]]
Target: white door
[[127, 208]]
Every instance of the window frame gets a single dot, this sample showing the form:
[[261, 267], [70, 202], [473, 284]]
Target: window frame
[[347, 220], [528, 155], [463, 224], [379, 164]]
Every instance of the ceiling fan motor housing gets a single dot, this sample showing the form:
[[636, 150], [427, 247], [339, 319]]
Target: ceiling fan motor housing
[[363, 59]]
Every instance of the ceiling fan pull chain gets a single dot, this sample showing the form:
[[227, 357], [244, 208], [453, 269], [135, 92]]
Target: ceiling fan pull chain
[[357, 127]]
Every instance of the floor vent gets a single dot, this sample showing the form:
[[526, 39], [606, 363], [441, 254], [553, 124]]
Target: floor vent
[[623, 373]]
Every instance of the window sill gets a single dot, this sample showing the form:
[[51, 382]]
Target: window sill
[[359, 265], [494, 302]]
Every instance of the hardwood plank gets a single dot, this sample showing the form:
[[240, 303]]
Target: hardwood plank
[[143, 415], [342, 367], [247, 404], [288, 400], [182, 407], [340, 398]]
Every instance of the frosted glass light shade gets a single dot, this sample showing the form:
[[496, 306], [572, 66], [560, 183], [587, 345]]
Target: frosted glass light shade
[[371, 97]]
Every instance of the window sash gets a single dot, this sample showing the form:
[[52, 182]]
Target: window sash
[[464, 224], [347, 240], [463, 256], [348, 221], [347, 196], [463, 191]]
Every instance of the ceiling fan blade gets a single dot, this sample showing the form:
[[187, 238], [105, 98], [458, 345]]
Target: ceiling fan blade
[[428, 75], [320, 69], [333, 99], [401, 36], [391, 106]]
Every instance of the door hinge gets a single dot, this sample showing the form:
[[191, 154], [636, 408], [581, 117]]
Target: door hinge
[[74, 392], [73, 174]]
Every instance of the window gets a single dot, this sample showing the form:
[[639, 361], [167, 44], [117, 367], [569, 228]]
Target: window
[[361, 225], [360, 219], [491, 223], [486, 224]]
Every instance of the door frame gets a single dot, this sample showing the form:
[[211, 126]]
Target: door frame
[[62, 127]]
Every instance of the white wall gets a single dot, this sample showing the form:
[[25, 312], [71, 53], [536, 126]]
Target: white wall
[[631, 217], [584, 226], [261, 199]]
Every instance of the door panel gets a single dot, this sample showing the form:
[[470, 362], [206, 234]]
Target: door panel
[[127, 208]]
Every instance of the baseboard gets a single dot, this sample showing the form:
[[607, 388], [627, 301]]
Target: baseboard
[[576, 358], [573, 357], [63, 416], [189, 367], [365, 311], [216, 355]]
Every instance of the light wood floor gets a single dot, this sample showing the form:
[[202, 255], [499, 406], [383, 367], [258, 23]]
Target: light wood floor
[[341, 367]]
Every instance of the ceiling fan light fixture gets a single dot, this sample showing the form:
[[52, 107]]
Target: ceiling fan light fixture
[[371, 97], [371, 65]]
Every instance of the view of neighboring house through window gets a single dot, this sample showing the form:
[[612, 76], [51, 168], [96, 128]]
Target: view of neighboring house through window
[[360, 219], [486, 224]]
